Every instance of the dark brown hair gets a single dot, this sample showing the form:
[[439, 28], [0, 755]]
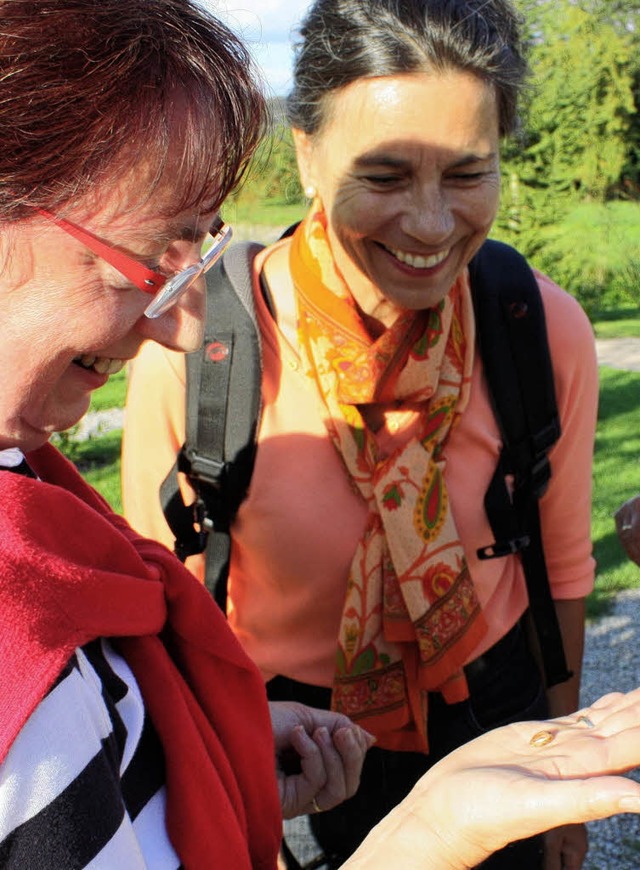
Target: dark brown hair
[[89, 88], [345, 40]]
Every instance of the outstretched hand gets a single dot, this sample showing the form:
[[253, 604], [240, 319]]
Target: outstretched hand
[[319, 757], [502, 787]]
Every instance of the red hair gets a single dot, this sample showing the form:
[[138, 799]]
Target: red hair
[[92, 87]]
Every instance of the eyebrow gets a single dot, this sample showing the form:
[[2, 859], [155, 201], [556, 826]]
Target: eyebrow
[[175, 232], [370, 160]]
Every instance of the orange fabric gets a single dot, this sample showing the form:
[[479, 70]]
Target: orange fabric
[[411, 614], [297, 531], [72, 571]]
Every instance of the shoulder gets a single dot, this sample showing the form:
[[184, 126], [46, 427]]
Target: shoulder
[[569, 329]]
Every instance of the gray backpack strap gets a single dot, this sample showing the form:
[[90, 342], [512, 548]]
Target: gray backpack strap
[[222, 412]]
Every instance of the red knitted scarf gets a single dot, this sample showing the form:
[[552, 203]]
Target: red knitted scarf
[[71, 571]]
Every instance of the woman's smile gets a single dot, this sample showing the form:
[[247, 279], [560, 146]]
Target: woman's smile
[[418, 261], [412, 159]]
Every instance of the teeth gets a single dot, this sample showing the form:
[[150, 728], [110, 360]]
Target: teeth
[[86, 361], [419, 262], [108, 366], [102, 365]]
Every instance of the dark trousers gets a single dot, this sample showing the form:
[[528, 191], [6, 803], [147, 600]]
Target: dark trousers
[[504, 685]]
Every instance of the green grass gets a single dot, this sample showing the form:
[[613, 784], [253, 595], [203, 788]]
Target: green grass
[[112, 395], [616, 477], [271, 213], [98, 460], [621, 323], [100, 466]]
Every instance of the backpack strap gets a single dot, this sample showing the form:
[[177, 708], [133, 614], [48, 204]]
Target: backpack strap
[[222, 411], [515, 353]]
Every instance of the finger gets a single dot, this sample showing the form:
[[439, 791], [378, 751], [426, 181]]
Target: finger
[[334, 790], [320, 785], [313, 776], [353, 749], [568, 801], [552, 858], [570, 843]]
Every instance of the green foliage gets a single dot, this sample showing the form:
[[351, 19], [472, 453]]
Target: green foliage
[[578, 148], [592, 251], [273, 174], [582, 105], [245, 217]]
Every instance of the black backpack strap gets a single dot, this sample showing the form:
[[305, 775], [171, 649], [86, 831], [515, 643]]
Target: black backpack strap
[[515, 353], [223, 406]]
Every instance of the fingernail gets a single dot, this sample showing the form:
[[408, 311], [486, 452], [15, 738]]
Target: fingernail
[[322, 734], [350, 738]]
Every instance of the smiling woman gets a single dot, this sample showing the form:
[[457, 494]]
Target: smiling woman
[[154, 197], [377, 439], [134, 730], [124, 127]]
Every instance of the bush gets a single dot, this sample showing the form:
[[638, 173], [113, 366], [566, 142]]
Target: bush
[[591, 251]]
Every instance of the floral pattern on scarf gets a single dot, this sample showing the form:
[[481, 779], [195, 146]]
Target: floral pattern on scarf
[[411, 615]]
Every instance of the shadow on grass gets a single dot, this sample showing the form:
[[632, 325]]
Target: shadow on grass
[[95, 452], [622, 394], [616, 479], [613, 575]]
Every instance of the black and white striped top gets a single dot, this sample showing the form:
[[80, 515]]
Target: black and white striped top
[[83, 784]]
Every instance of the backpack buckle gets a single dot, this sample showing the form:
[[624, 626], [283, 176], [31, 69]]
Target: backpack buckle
[[504, 548], [203, 469]]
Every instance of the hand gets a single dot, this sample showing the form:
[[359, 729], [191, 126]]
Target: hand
[[320, 756], [500, 788], [565, 848], [627, 519]]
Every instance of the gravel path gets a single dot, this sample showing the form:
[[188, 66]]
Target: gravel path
[[99, 422], [611, 663]]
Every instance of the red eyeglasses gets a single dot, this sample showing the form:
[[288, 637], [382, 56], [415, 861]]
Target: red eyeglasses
[[167, 290]]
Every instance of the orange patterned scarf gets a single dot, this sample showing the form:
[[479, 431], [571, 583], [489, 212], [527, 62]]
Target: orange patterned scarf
[[411, 616]]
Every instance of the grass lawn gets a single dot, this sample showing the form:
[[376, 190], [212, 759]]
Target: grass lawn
[[616, 477], [625, 325], [98, 459], [112, 395]]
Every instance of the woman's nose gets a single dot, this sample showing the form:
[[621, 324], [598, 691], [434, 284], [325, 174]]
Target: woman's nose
[[181, 327], [429, 218]]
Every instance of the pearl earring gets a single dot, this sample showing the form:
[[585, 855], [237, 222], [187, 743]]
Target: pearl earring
[[310, 191]]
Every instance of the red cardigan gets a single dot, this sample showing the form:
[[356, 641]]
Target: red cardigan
[[71, 571]]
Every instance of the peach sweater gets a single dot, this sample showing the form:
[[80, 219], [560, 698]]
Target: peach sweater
[[296, 532]]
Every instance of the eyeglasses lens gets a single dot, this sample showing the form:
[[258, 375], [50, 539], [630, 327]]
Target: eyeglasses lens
[[175, 287]]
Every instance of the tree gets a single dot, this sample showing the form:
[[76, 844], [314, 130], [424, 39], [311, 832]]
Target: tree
[[579, 115], [273, 174]]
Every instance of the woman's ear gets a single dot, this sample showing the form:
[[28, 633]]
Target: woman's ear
[[304, 155]]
